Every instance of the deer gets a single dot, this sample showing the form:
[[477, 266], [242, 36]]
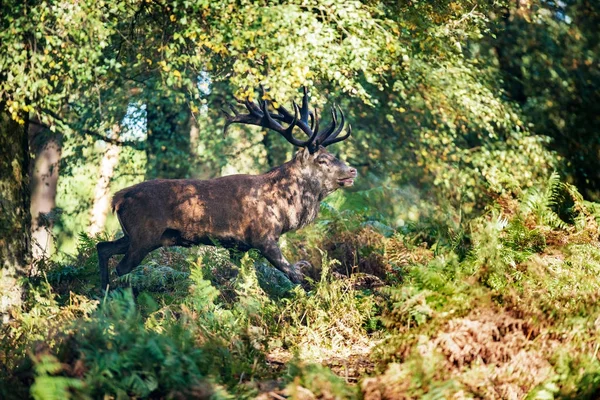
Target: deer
[[236, 211]]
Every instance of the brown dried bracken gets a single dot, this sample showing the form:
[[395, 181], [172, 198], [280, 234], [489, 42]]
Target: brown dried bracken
[[490, 354]]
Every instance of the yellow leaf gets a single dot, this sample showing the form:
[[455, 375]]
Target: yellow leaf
[[173, 19], [177, 73]]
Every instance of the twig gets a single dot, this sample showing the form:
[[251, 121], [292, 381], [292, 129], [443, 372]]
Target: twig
[[276, 396]]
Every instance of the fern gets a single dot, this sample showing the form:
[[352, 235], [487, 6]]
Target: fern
[[556, 195], [47, 386], [579, 208], [203, 294], [541, 202], [124, 357]]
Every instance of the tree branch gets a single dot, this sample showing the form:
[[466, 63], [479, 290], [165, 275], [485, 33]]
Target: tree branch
[[136, 144]]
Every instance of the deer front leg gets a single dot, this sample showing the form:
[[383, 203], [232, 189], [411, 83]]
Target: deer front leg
[[270, 250]]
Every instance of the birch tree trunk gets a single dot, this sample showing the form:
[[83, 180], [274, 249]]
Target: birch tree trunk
[[101, 202], [44, 180]]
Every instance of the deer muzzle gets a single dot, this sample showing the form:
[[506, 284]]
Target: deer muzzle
[[349, 180]]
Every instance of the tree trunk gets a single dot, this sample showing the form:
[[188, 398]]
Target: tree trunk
[[101, 204], [44, 180], [15, 217], [194, 138]]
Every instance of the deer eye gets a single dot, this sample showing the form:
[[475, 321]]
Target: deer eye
[[323, 161]]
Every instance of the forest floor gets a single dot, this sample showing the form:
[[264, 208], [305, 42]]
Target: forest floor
[[506, 307]]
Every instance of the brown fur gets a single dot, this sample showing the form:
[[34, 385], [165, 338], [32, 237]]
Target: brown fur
[[241, 211]]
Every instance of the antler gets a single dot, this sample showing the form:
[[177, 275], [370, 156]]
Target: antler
[[260, 115]]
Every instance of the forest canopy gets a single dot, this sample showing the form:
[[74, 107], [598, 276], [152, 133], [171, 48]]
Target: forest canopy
[[474, 132]]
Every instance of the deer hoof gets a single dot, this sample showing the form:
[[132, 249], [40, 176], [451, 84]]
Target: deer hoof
[[294, 274], [299, 271], [304, 266]]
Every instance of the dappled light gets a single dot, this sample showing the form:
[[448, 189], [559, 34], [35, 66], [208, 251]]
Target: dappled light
[[299, 200]]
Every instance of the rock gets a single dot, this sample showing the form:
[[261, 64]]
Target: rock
[[154, 278], [274, 282]]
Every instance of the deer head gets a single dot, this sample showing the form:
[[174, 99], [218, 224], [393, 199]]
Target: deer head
[[316, 162]]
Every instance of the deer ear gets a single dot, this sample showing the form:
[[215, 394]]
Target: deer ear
[[304, 154]]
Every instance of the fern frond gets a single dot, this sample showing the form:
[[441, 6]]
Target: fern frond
[[553, 190], [579, 208], [540, 203]]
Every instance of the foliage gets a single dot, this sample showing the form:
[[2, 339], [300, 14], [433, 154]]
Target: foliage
[[43, 326], [465, 263], [527, 288], [125, 358], [320, 381], [547, 52], [48, 386], [329, 318]]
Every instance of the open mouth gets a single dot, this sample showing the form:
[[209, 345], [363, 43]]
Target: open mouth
[[346, 182]]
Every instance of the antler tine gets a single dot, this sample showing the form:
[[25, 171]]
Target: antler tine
[[270, 123], [316, 125], [330, 139], [325, 134], [229, 119], [311, 139], [338, 139], [315, 132], [290, 128], [304, 112], [253, 108], [236, 117], [252, 118], [267, 119], [286, 115], [258, 114]]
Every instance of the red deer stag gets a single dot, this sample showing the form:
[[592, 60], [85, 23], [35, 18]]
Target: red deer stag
[[241, 211]]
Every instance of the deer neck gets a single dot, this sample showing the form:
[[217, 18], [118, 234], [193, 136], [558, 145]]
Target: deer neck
[[299, 196]]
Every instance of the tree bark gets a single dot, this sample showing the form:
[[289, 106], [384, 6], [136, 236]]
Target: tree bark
[[194, 138], [101, 203], [44, 180], [15, 217]]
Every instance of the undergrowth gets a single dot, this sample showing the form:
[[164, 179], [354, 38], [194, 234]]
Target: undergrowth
[[517, 315], [398, 304]]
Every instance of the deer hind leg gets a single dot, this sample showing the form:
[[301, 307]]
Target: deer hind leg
[[105, 251], [271, 251], [133, 258]]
